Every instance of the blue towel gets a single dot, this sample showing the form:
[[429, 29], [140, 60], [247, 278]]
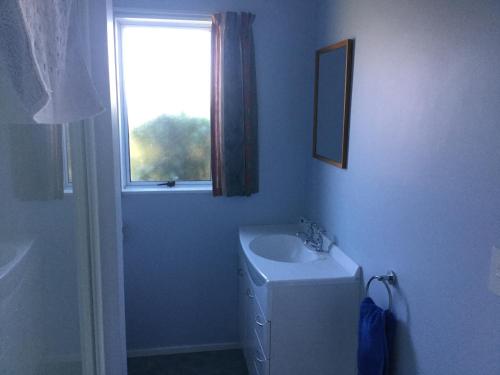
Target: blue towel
[[376, 328]]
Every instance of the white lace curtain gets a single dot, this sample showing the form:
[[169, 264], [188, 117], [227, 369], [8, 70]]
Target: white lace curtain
[[43, 76], [43, 80]]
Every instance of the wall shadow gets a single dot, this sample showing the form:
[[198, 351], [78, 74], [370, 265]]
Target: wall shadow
[[403, 356]]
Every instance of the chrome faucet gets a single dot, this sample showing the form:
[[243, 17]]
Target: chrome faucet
[[313, 236]]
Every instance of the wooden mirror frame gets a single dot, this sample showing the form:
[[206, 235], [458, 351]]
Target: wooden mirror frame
[[348, 44]]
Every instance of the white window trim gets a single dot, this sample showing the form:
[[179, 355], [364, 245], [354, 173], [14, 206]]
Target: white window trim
[[159, 19], [67, 184]]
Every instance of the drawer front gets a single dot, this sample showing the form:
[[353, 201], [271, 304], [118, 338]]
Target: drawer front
[[259, 292], [255, 329], [260, 362], [243, 307], [262, 328], [261, 368]]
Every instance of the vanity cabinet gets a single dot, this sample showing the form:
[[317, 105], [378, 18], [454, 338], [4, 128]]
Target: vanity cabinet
[[300, 327], [255, 327]]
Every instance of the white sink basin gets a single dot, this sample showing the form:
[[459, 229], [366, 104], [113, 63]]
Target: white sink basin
[[274, 255], [282, 248]]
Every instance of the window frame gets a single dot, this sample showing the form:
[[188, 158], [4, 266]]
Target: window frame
[[67, 183], [122, 19]]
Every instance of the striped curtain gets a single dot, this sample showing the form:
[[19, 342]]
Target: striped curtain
[[234, 106]]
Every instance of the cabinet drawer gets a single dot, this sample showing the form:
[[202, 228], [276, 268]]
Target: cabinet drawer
[[243, 308], [258, 291], [260, 362], [262, 328]]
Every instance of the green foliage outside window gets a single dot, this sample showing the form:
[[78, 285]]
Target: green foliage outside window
[[171, 148]]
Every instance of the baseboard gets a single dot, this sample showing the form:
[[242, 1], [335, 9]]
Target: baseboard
[[181, 349]]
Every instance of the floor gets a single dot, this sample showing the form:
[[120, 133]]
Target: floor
[[224, 362]]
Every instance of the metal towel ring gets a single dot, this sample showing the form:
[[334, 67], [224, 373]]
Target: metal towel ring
[[389, 278]]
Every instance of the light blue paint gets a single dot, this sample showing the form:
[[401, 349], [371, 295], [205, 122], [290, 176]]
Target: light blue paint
[[421, 194], [422, 191], [180, 250]]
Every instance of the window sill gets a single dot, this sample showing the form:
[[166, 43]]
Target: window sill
[[205, 188]]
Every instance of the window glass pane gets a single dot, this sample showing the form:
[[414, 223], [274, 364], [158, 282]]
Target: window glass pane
[[166, 81]]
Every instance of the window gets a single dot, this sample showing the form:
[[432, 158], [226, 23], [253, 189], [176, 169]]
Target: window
[[163, 68]]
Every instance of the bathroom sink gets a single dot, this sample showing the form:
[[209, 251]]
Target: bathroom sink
[[282, 248], [297, 307], [274, 254]]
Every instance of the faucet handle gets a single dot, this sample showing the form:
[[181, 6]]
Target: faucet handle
[[318, 228]]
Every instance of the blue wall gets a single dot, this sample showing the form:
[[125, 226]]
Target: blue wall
[[180, 250], [421, 194]]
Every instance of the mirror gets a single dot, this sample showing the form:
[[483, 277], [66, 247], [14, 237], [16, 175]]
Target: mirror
[[332, 97]]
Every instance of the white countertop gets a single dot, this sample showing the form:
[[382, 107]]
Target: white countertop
[[332, 267]]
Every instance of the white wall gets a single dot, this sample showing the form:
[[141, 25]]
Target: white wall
[[39, 298], [51, 294], [107, 189], [180, 249], [421, 193]]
